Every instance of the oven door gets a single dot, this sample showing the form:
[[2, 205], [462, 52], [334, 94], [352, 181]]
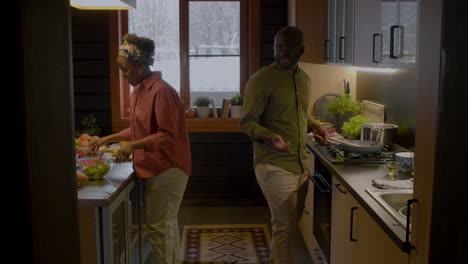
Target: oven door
[[322, 207]]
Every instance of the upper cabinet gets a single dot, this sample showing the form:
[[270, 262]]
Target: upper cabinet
[[311, 18], [340, 40], [386, 33]]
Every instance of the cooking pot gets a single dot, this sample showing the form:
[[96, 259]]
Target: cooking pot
[[357, 146], [379, 132]]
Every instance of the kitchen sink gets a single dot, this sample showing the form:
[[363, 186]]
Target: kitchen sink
[[394, 202]]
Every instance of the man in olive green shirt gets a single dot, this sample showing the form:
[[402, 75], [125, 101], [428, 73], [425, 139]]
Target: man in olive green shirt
[[275, 118]]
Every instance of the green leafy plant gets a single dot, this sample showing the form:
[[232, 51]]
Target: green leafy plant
[[345, 105], [237, 100], [202, 101], [352, 129], [89, 126]]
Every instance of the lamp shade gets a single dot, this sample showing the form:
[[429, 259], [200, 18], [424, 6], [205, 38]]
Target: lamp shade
[[104, 4]]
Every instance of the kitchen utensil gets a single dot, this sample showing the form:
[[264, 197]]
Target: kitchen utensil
[[379, 132], [321, 106], [357, 146], [373, 111]]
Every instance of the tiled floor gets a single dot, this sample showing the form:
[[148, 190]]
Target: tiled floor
[[236, 215]]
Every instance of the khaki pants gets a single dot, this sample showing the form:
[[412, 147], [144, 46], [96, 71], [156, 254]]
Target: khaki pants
[[285, 193], [163, 195]]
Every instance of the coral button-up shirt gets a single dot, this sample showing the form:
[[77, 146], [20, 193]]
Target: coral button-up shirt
[[157, 116]]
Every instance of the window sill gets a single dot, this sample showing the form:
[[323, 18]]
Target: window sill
[[213, 125]]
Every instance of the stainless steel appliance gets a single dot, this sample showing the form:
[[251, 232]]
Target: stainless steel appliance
[[322, 207], [337, 155], [379, 132]]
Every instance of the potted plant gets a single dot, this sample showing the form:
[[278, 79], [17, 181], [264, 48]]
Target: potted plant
[[342, 109], [236, 106], [202, 103]]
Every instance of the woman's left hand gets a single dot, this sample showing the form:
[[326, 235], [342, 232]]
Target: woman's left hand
[[124, 153]]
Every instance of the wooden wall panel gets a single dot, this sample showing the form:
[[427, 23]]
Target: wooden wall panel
[[91, 73], [273, 16], [222, 169]]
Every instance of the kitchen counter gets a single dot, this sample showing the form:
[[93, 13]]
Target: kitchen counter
[[101, 193], [356, 178]]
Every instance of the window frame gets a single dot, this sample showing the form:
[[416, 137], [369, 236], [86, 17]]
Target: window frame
[[249, 58]]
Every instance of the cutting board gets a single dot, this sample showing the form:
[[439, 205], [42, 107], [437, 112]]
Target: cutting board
[[373, 111]]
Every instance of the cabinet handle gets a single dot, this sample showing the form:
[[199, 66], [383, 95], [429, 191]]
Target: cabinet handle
[[407, 244], [351, 238], [327, 53], [129, 219], [340, 188], [341, 48], [323, 185], [392, 41], [373, 48]]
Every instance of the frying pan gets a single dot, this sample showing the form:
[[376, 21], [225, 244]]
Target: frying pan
[[357, 146]]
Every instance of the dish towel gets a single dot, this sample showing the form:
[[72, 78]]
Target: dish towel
[[393, 185]]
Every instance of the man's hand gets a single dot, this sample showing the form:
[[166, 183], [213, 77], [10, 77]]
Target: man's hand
[[320, 135], [279, 144]]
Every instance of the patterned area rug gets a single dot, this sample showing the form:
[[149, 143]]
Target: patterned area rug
[[212, 244]]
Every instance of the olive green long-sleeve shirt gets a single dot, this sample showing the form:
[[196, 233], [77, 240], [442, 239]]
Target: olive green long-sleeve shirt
[[276, 102]]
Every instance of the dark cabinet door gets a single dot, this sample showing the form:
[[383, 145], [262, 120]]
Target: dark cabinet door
[[367, 36], [311, 18]]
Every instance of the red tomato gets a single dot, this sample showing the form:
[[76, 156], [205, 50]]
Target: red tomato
[[190, 113]]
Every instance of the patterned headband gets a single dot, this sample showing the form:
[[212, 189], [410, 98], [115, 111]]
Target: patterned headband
[[135, 54]]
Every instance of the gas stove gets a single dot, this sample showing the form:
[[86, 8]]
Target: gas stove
[[336, 155]]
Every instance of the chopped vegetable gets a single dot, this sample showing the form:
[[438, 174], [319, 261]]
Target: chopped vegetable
[[96, 170]]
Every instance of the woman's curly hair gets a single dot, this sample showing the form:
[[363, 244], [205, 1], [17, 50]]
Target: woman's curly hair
[[137, 49]]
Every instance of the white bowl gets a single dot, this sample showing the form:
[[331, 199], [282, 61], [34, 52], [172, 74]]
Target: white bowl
[[405, 160]]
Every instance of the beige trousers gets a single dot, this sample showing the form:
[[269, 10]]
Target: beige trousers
[[163, 195], [285, 193]]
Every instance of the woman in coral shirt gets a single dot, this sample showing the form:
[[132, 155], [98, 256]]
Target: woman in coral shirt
[[158, 139]]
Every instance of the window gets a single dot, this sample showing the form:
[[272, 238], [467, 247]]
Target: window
[[214, 49], [203, 48]]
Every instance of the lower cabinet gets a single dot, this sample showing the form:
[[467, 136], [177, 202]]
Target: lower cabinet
[[111, 234], [355, 236]]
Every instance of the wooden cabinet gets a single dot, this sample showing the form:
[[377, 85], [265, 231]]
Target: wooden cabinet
[[398, 24], [111, 234], [344, 223], [356, 237], [385, 33], [311, 18], [341, 31], [367, 33]]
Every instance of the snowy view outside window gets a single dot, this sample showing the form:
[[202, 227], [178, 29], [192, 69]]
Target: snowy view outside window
[[214, 49], [159, 21], [214, 44]]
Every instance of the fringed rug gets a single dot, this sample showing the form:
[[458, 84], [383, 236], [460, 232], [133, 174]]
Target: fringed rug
[[212, 244]]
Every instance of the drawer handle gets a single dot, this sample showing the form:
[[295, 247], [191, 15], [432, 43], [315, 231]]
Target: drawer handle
[[340, 188], [351, 238]]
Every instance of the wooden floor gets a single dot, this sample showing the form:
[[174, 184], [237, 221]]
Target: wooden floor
[[199, 215]]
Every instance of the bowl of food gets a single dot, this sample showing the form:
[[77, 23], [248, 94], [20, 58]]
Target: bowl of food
[[95, 168]]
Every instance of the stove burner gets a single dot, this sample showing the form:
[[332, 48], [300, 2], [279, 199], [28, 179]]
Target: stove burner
[[337, 155]]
